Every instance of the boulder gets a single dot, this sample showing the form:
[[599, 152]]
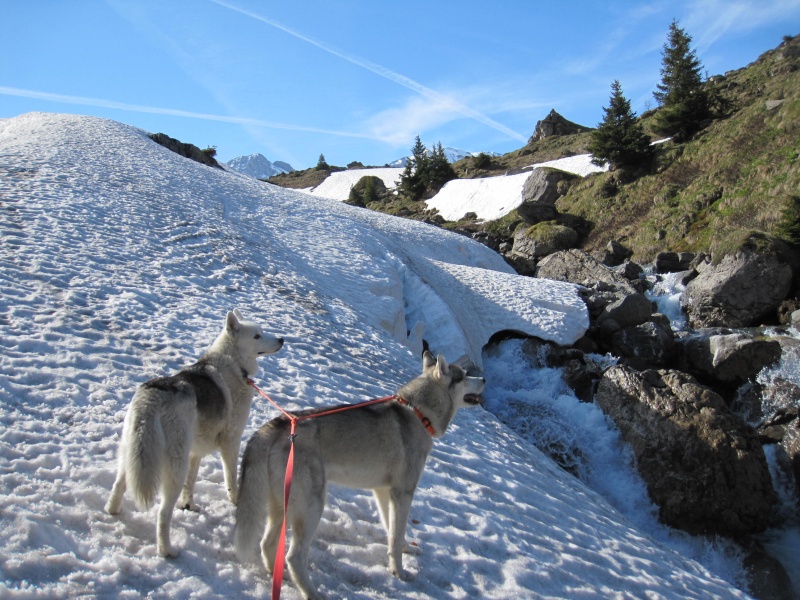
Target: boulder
[[542, 239], [646, 345], [615, 254], [743, 289], [539, 194], [672, 262], [628, 311], [703, 466], [726, 357], [576, 266]]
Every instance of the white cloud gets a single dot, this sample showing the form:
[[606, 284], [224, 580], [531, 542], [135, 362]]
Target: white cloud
[[709, 20], [140, 108], [438, 98]]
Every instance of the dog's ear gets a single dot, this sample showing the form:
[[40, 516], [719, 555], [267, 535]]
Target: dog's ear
[[427, 360], [442, 369], [238, 314], [231, 322]]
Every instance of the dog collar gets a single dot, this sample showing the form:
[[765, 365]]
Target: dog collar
[[425, 420]]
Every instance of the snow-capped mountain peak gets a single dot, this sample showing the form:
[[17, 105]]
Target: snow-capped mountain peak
[[257, 165], [452, 154]]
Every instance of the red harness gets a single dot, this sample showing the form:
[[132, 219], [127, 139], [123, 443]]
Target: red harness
[[280, 554]]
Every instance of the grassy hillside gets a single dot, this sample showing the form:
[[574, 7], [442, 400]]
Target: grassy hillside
[[738, 175]]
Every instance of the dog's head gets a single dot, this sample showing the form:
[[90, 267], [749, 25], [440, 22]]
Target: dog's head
[[248, 337], [463, 390]]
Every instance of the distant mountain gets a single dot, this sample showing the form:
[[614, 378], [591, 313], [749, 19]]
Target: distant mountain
[[452, 154], [256, 165]]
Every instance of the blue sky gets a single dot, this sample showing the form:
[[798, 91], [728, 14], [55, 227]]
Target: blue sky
[[358, 79]]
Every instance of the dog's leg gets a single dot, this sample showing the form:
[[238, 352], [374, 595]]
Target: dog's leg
[[272, 532], [400, 507], [114, 504], [305, 511], [169, 495], [174, 476], [230, 455], [383, 497], [186, 501]]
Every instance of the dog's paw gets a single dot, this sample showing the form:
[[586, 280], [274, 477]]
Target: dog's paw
[[402, 574], [168, 551], [190, 506]]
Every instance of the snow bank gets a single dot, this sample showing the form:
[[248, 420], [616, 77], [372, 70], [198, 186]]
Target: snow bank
[[494, 197], [337, 185], [118, 260], [580, 164]]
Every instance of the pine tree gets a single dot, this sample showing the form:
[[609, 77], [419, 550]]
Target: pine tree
[[321, 164], [685, 103], [439, 170], [414, 178], [619, 139]]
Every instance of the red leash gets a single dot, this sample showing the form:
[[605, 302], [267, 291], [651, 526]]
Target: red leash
[[280, 554]]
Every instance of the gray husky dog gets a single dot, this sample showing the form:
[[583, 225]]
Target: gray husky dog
[[173, 422], [382, 447]]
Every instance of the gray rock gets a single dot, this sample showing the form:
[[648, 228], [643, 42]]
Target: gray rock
[[703, 466], [542, 239], [576, 266], [727, 357], [554, 125], [630, 310], [647, 345], [742, 290]]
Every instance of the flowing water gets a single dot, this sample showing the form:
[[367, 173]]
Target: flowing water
[[533, 400]]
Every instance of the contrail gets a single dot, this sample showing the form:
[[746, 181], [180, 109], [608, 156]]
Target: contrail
[[84, 101], [385, 73]]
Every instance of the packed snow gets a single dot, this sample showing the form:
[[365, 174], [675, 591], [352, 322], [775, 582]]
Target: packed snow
[[338, 184], [119, 260], [492, 198]]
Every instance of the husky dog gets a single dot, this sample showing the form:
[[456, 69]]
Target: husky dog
[[173, 422], [382, 447]]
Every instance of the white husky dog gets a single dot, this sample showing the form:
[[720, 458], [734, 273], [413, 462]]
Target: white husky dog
[[173, 422], [382, 447]]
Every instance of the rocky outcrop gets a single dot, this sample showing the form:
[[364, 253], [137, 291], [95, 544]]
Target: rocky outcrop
[[646, 345], [539, 194], [554, 125], [576, 266], [702, 465], [744, 289], [190, 151], [726, 357], [542, 239]]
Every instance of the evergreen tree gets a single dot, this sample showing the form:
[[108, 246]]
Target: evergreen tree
[[619, 139], [414, 178], [685, 103], [439, 170], [321, 164]]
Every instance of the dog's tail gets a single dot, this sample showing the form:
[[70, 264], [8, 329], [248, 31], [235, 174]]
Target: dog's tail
[[145, 450], [251, 509]]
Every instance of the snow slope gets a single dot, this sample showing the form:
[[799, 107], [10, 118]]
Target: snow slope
[[118, 260], [494, 197], [337, 185]]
